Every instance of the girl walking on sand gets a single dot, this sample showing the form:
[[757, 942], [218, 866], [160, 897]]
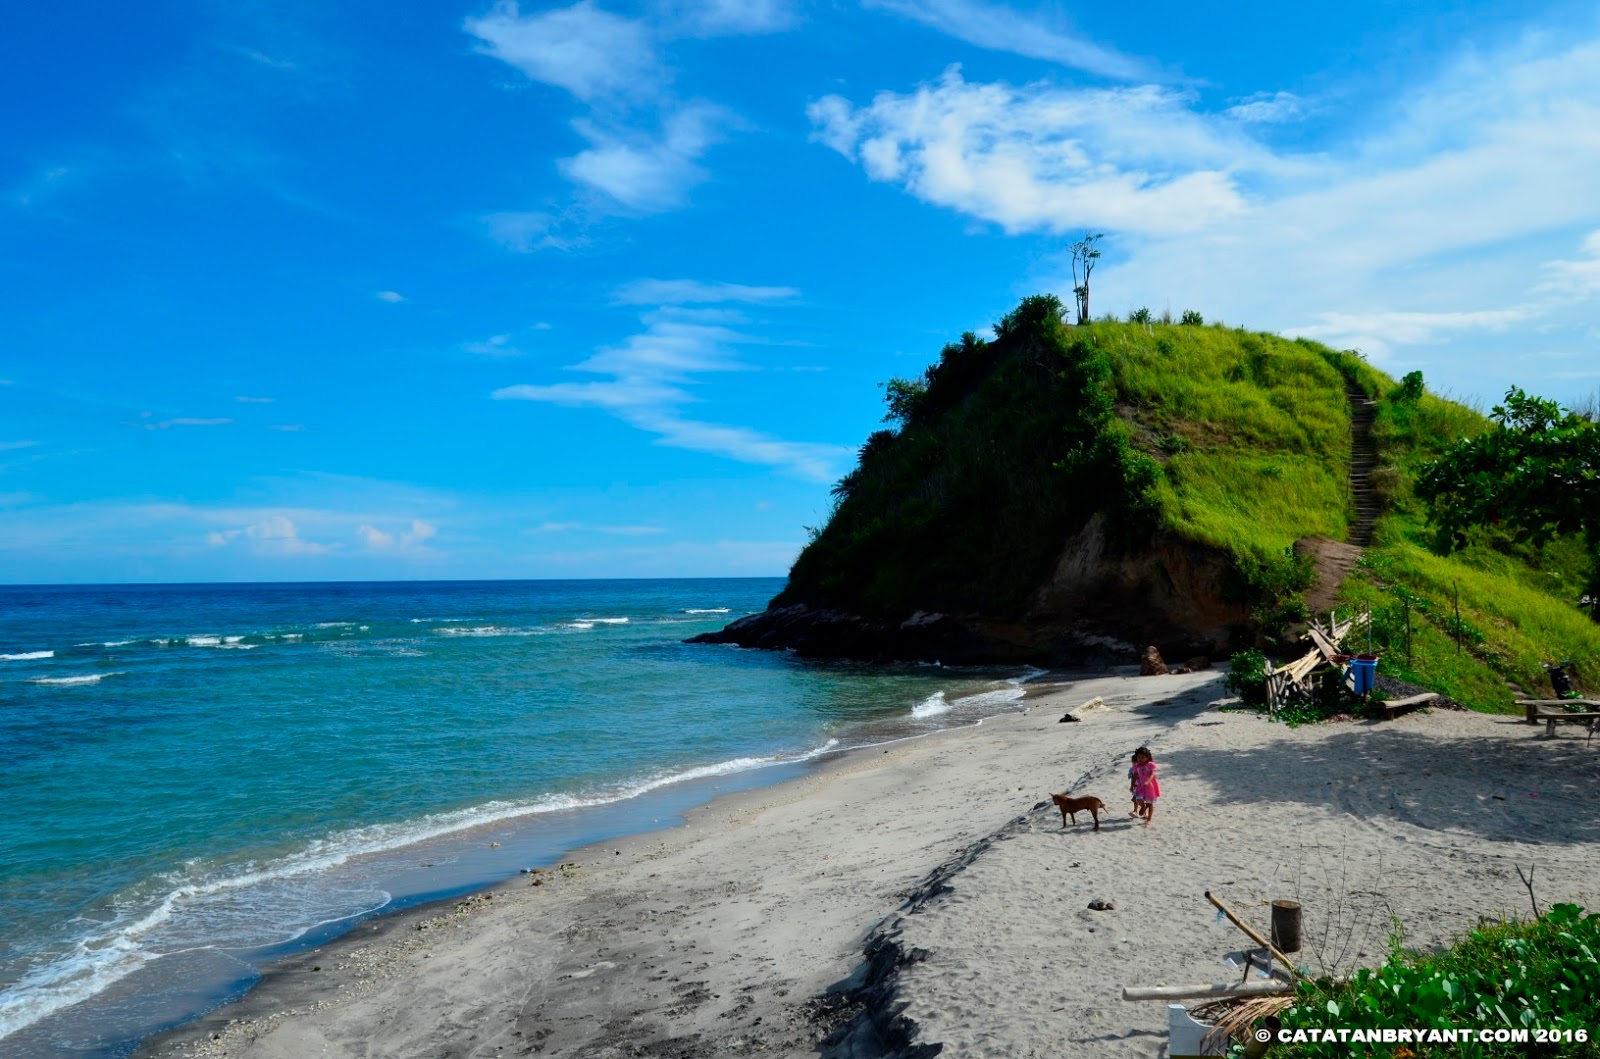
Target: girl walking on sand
[[1146, 788]]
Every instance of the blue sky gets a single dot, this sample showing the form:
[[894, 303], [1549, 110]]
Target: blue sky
[[315, 290]]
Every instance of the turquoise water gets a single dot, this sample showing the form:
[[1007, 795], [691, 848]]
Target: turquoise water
[[199, 778]]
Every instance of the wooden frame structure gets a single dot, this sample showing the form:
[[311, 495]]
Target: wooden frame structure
[[1292, 683]]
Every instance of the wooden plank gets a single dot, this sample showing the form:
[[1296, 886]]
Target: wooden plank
[[1326, 646]]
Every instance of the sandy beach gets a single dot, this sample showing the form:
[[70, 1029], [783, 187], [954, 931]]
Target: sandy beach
[[743, 932]]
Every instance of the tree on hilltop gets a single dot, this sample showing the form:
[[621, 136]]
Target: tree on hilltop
[[1085, 254]]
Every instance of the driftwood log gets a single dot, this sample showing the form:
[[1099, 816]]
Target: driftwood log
[[1219, 991]]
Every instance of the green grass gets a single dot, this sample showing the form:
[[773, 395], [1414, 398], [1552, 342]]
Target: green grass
[[1253, 432]]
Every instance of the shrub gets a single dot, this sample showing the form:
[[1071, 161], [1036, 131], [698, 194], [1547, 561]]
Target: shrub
[[1247, 677], [1192, 318], [1537, 975], [1139, 316]]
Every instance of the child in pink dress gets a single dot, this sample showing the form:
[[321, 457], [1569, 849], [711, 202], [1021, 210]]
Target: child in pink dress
[[1146, 788]]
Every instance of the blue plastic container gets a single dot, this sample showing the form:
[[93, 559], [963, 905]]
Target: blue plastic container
[[1365, 672]]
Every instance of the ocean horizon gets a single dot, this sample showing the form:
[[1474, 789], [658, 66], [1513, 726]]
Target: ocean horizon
[[203, 778]]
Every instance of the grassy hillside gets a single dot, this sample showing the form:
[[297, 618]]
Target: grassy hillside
[[1232, 440]]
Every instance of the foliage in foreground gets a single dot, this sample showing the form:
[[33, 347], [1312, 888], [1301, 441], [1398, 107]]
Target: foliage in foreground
[[1521, 975]]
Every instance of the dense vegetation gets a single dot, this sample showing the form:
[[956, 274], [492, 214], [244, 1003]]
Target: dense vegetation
[[1538, 975], [1235, 441]]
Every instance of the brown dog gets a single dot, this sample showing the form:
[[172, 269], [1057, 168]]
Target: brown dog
[[1093, 806]]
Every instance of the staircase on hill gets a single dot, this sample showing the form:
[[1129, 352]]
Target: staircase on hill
[[1363, 458]]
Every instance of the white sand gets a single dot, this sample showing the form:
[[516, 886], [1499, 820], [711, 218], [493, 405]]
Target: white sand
[[715, 938]]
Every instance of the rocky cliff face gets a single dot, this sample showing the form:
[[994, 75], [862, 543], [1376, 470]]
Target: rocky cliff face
[[1100, 604]]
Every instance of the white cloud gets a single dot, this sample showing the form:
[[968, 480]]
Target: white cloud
[[255, 400], [1002, 29], [1268, 108], [581, 48], [275, 534], [642, 172], [410, 540], [687, 291], [392, 297], [1045, 158], [8, 446], [647, 382]]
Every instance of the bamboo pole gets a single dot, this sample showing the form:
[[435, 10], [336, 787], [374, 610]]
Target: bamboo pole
[[1219, 991], [1251, 933]]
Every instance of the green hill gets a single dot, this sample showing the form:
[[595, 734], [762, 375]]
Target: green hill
[[1061, 490]]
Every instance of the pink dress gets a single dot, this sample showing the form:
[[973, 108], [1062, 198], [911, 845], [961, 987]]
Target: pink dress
[[1146, 787]]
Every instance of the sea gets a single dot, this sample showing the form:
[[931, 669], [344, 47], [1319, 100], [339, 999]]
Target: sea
[[197, 780]]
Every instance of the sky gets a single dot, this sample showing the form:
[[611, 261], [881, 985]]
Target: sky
[[315, 290]]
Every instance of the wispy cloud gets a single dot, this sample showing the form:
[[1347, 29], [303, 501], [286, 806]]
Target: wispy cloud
[[411, 539], [689, 291], [256, 400], [644, 146], [647, 172], [181, 421], [1000, 28], [392, 297], [525, 232], [288, 428], [493, 346], [272, 535], [646, 382], [1269, 108], [582, 49], [610, 531], [9, 446], [716, 18]]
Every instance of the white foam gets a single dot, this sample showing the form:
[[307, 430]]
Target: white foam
[[202, 641], [579, 625], [334, 625], [932, 706], [28, 656], [86, 678], [483, 630], [708, 610], [238, 646], [232, 639], [608, 621]]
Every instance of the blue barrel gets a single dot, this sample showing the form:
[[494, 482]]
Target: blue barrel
[[1365, 672]]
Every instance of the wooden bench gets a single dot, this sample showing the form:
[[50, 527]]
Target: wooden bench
[[1551, 718], [1535, 708]]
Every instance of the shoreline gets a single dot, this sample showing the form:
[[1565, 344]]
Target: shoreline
[[742, 930]]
